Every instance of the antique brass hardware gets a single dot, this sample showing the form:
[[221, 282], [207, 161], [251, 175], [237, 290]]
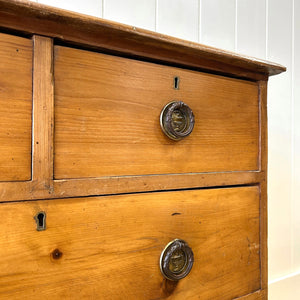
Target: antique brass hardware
[[177, 120], [176, 260]]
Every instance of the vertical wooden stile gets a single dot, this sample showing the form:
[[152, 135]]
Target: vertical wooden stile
[[43, 111], [263, 184]]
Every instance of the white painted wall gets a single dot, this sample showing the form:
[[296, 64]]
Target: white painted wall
[[268, 29]]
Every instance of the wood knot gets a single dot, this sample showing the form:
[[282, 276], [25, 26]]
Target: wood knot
[[56, 254]]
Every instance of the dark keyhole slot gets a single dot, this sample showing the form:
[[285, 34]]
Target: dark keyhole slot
[[40, 219], [176, 83]]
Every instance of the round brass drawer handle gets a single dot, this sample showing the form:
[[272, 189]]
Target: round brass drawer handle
[[177, 120], [176, 260]]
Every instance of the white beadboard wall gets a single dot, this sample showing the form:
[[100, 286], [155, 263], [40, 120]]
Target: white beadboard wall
[[267, 29]]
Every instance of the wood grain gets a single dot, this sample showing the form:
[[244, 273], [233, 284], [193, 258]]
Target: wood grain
[[263, 186], [131, 184], [107, 118], [108, 141], [43, 102], [259, 295], [109, 247], [90, 32], [15, 108], [28, 190]]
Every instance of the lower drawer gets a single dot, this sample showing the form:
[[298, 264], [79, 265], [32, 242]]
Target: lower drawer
[[109, 247]]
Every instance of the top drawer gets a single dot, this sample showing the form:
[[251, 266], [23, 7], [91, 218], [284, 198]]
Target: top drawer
[[15, 108], [107, 112]]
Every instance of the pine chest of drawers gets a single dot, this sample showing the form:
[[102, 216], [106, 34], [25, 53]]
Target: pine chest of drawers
[[132, 165]]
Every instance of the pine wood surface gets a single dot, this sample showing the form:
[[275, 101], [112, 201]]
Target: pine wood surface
[[15, 108], [107, 118], [109, 247], [64, 188], [42, 173], [111, 244], [263, 185], [258, 295], [91, 32]]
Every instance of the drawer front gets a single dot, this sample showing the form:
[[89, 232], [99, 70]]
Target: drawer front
[[107, 113], [15, 107], [109, 247]]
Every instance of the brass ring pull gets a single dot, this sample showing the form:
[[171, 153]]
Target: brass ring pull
[[177, 120], [176, 260]]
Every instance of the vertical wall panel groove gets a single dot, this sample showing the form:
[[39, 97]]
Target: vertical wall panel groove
[[292, 140], [267, 29], [250, 28], [156, 14], [296, 137], [218, 23], [199, 25], [177, 19], [279, 105], [236, 25]]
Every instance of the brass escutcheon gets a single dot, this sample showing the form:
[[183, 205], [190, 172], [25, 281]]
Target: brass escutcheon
[[176, 260], [177, 120]]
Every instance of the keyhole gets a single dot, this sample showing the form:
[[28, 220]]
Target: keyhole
[[176, 83], [40, 220]]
